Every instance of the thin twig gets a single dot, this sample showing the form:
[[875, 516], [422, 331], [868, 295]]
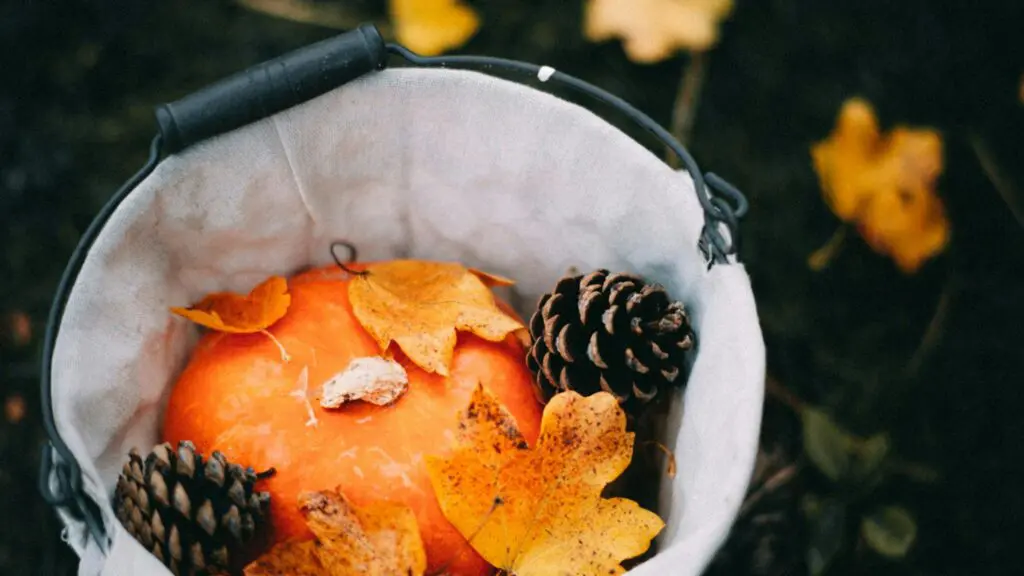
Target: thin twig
[[996, 176], [774, 388], [331, 16], [684, 111], [822, 257], [671, 469], [770, 485], [933, 333], [913, 471]]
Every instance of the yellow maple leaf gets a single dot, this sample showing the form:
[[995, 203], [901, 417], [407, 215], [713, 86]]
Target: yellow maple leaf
[[539, 511], [419, 305], [653, 30], [380, 539], [432, 27], [884, 184]]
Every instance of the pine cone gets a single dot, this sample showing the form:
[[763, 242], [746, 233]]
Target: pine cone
[[610, 332], [189, 513]]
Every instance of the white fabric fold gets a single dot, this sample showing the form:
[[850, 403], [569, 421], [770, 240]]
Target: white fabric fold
[[437, 164]]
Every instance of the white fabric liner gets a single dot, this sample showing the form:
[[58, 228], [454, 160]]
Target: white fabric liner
[[436, 164]]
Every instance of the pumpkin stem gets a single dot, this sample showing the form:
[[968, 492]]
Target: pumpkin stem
[[352, 255], [285, 357]]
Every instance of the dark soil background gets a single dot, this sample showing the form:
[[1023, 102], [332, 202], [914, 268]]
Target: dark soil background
[[935, 359]]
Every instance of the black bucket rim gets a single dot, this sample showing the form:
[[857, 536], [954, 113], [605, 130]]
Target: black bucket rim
[[269, 88]]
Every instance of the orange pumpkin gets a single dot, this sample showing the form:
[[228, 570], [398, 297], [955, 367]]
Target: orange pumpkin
[[236, 395]]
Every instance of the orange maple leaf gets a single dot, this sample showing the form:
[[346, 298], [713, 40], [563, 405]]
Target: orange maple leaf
[[243, 314], [379, 539], [419, 305], [884, 185], [539, 511]]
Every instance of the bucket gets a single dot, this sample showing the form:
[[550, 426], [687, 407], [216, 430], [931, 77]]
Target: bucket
[[258, 174]]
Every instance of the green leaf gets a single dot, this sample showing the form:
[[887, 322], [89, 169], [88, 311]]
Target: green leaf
[[890, 531], [825, 443], [869, 455], [838, 454], [811, 506], [827, 525]]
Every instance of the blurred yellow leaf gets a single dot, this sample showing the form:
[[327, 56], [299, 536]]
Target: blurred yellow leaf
[[653, 30], [432, 27], [884, 184]]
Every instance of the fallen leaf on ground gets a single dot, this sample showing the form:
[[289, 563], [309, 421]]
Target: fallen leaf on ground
[[538, 511], [890, 531], [373, 379], [380, 539], [19, 324], [419, 305], [884, 185], [14, 408], [432, 27], [243, 314], [653, 30]]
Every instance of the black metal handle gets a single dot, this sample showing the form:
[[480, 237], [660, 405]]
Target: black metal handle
[[270, 87], [714, 245]]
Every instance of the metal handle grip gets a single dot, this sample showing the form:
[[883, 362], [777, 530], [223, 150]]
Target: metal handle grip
[[270, 87]]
